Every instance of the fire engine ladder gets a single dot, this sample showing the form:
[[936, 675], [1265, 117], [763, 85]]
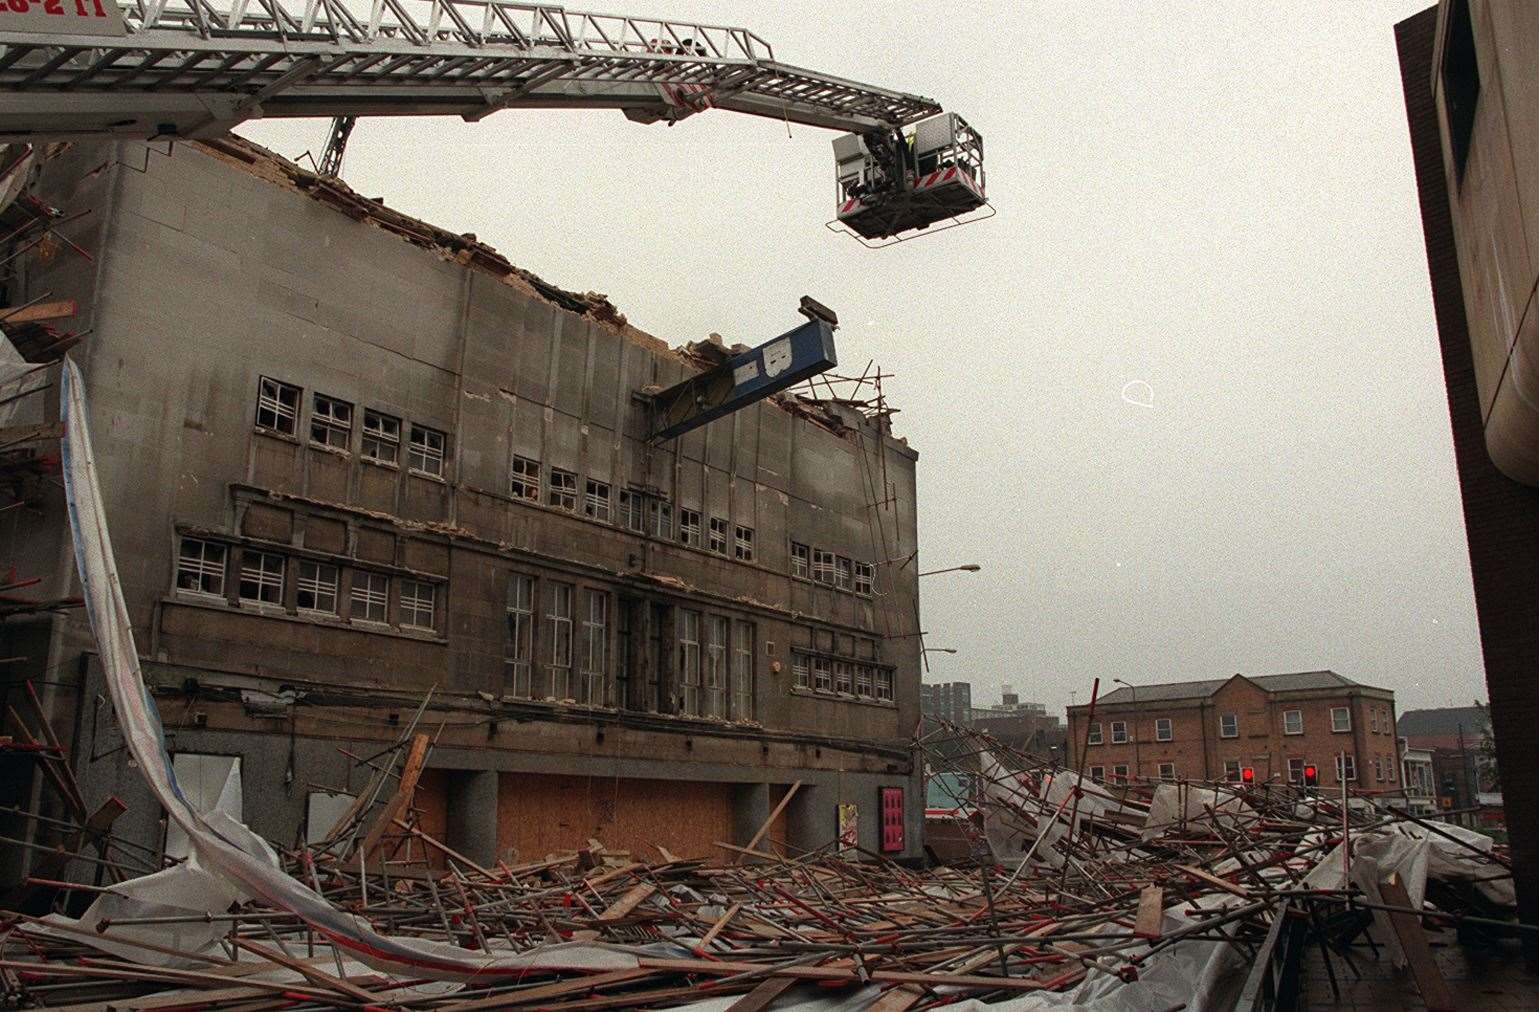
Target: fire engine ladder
[[186, 68]]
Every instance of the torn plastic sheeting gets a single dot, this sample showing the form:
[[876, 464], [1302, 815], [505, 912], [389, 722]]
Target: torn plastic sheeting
[[177, 891], [1178, 804], [1056, 797], [229, 850]]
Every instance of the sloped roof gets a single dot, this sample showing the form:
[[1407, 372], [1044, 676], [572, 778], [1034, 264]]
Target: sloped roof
[[1444, 720], [1167, 691]]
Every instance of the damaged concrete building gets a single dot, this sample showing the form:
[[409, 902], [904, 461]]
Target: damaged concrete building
[[364, 474]]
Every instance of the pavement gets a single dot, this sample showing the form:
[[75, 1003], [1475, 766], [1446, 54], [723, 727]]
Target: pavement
[[1480, 977]]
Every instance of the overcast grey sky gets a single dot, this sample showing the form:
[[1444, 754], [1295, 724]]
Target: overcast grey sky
[[1215, 200]]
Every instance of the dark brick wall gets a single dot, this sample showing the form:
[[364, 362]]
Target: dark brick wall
[[1501, 517]]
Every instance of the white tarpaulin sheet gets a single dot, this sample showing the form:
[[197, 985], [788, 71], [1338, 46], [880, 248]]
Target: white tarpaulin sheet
[[1176, 805]]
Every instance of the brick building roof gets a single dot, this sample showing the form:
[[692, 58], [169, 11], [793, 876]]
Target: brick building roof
[[1289, 682], [1442, 721]]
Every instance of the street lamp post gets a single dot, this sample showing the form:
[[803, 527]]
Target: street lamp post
[[1138, 765], [971, 567]]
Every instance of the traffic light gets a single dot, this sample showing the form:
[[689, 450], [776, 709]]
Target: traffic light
[[1311, 776], [1247, 775]]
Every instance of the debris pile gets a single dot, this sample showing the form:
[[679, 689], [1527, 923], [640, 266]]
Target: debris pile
[[1077, 887]]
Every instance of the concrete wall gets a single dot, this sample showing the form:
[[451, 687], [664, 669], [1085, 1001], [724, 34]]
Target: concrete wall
[[1501, 516], [211, 274]]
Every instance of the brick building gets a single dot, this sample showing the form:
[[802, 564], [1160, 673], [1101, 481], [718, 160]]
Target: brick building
[[1469, 70], [1212, 729], [356, 465]]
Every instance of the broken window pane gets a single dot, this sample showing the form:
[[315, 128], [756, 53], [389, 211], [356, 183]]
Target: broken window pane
[[801, 560], [381, 437], [595, 644], [689, 661], [718, 536], [563, 490], [525, 479], [277, 406], [596, 500], [689, 527], [558, 614], [331, 422], [742, 543], [425, 455]]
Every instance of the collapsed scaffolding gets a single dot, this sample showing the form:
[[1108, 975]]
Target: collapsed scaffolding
[[1166, 893]]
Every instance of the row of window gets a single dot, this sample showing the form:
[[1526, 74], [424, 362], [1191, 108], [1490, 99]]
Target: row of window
[[819, 566], [1346, 769], [823, 673], [642, 512], [560, 650], [331, 425], [261, 579], [1228, 726]]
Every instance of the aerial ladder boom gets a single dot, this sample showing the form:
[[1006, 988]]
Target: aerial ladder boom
[[191, 69]]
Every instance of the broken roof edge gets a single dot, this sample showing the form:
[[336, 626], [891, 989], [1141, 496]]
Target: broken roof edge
[[468, 251]]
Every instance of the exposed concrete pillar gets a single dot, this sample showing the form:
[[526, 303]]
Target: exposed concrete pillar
[[751, 805], [472, 814]]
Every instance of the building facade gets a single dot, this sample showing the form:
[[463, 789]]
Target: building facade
[[951, 701], [363, 472], [1212, 730], [1417, 779], [1470, 75]]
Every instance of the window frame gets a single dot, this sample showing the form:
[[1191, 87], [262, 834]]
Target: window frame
[[1094, 735], [1346, 760], [1232, 774], [823, 567], [328, 423], [518, 651], [740, 671], [742, 542], [690, 527], [273, 403], [718, 542], [412, 609], [369, 596], [688, 636], [523, 483], [1169, 729], [865, 579], [202, 568], [597, 500], [844, 572], [1168, 778], [1097, 774], [801, 561], [561, 489], [379, 435], [1297, 778], [422, 457], [1125, 736], [263, 578], [315, 586], [1296, 713], [1229, 732], [560, 611], [593, 663], [1120, 772], [717, 649], [1346, 712]]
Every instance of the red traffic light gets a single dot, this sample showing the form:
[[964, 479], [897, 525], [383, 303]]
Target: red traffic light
[[1248, 775], [1311, 776]]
